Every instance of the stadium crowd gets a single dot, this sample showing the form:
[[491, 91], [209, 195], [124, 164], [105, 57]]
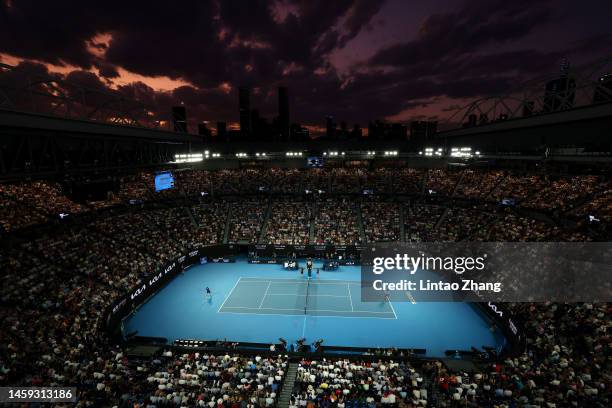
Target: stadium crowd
[[441, 204], [336, 223], [207, 380], [211, 218], [62, 283], [65, 273], [381, 220], [289, 223], [346, 383], [565, 364], [420, 221], [247, 218]]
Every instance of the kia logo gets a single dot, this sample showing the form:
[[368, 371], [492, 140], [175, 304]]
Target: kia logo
[[494, 308]]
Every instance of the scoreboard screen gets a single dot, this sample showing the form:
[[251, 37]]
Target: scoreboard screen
[[315, 161], [164, 181]]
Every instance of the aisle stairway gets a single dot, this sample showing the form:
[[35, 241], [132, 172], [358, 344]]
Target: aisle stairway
[[499, 181], [226, 228], [441, 219], [311, 228], [264, 225], [402, 225], [457, 184], [285, 395], [360, 223], [189, 213]]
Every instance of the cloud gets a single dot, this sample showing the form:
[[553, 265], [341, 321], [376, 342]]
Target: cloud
[[107, 70], [45, 31], [360, 15], [478, 24], [215, 46]]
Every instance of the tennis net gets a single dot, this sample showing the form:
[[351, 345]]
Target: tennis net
[[307, 293]]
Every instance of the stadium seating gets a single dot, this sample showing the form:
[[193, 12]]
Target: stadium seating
[[65, 274]]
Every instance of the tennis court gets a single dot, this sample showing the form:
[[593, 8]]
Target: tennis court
[[261, 303], [338, 298]]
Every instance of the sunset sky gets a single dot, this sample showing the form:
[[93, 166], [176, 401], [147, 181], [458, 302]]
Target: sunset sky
[[357, 60]]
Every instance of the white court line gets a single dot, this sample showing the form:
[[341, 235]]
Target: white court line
[[350, 297], [337, 281], [317, 316], [229, 294], [274, 280], [265, 294], [289, 279], [324, 282], [297, 310], [392, 309], [309, 295], [304, 326]]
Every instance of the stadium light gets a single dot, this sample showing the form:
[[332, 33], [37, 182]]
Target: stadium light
[[241, 155], [188, 158], [461, 152]]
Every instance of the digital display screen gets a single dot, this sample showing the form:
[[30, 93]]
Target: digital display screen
[[315, 161], [164, 181]]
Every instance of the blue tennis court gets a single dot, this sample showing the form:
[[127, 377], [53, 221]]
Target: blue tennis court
[[261, 302], [302, 296]]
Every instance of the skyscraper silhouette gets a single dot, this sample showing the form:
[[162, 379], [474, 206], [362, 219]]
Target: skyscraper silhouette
[[221, 132], [603, 92], [283, 111], [179, 118], [559, 93], [244, 106]]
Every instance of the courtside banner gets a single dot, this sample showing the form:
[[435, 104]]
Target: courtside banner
[[487, 272], [123, 306]]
